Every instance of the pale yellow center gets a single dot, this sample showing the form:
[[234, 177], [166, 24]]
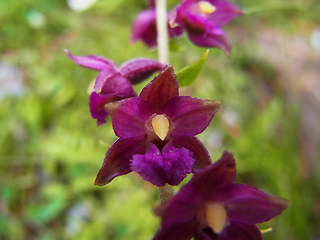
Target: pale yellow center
[[160, 125], [216, 217], [206, 7]]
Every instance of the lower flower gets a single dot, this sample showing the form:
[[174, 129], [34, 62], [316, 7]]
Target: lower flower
[[212, 206]]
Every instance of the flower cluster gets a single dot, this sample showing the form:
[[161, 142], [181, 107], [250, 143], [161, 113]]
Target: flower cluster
[[157, 131], [201, 19]]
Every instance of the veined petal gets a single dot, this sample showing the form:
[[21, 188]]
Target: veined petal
[[97, 109], [213, 37], [144, 28], [193, 144], [137, 70], [117, 159], [91, 61], [240, 231], [129, 117], [225, 12], [249, 205], [161, 89], [212, 178], [190, 116], [111, 83]]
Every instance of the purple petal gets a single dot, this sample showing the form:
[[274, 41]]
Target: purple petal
[[144, 28], [176, 232], [91, 61], [137, 70], [246, 204], [97, 109], [117, 159], [194, 24], [182, 207], [193, 144], [129, 117], [110, 83], [190, 116], [161, 89], [210, 179], [241, 232], [213, 37], [169, 166], [225, 12]]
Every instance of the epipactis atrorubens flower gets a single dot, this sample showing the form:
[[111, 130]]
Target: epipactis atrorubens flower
[[213, 207], [145, 29], [203, 19], [114, 83], [157, 133]]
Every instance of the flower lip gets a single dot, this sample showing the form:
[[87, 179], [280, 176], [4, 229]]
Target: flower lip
[[206, 7]]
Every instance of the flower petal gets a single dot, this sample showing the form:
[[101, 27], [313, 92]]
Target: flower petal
[[240, 231], [176, 232], [182, 207], [193, 144], [97, 109], [144, 28], [129, 117], [210, 179], [91, 61], [117, 159], [190, 116], [247, 204], [225, 12], [137, 70], [113, 84], [161, 89], [213, 37]]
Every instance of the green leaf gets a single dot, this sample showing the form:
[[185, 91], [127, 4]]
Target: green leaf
[[188, 74]]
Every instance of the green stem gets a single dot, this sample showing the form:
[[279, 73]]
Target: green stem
[[166, 192]]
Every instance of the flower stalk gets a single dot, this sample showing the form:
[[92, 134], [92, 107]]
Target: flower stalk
[[162, 31]]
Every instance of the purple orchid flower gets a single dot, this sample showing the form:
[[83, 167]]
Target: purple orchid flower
[[212, 206], [145, 29], [203, 20], [157, 133], [112, 83]]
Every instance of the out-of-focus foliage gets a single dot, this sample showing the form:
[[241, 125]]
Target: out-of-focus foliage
[[51, 150]]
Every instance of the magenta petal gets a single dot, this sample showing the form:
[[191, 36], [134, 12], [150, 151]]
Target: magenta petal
[[225, 12], [247, 204], [213, 37], [212, 178], [241, 232], [182, 207], [161, 89], [144, 28], [129, 117], [137, 70], [117, 159], [190, 116], [193, 144], [91, 61], [113, 84], [176, 232], [97, 109]]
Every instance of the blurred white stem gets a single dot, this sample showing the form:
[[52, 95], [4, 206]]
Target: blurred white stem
[[162, 30]]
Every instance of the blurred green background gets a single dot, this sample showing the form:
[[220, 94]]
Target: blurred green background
[[51, 149]]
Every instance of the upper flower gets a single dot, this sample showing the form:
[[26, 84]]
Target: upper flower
[[145, 29], [213, 206], [203, 20], [156, 133], [112, 83]]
